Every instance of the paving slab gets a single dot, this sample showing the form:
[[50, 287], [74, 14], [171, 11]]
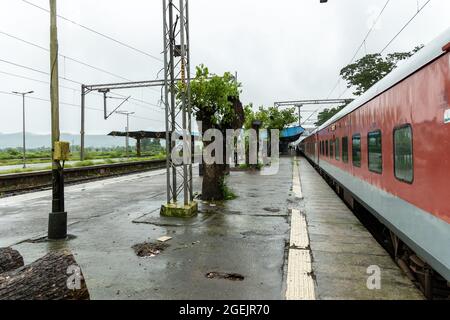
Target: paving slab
[[342, 249]]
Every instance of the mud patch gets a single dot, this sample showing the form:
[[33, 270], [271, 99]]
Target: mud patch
[[226, 276], [147, 249]]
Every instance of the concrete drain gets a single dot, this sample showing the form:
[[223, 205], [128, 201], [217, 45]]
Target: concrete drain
[[149, 249], [226, 276]]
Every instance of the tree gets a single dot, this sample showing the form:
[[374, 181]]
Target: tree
[[215, 102], [364, 73], [153, 146], [370, 69], [326, 114], [271, 118]]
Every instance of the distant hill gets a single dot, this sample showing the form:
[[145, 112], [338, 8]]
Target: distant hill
[[14, 140]]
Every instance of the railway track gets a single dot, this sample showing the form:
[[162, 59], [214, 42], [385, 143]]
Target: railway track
[[11, 184]]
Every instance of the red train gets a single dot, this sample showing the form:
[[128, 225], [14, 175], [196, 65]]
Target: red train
[[389, 151]]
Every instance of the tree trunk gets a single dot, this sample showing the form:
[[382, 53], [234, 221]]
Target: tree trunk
[[10, 259], [45, 279], [213, 175]]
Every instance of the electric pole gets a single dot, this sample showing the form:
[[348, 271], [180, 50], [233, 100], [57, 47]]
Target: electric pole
[[23, 94], [127, 129], [299, 106], [57, 223]]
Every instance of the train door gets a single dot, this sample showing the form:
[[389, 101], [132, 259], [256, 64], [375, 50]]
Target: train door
[[317, 149]]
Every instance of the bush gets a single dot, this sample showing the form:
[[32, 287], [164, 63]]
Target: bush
[[228, 194]]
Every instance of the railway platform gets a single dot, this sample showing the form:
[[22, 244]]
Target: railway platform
[[346, 261], [286, 236]]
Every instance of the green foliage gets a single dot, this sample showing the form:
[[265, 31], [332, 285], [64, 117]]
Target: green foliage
[[370, 69], [257, 166], [271, 118], [151, 145], [364, 73], [326, 114], [210, 98]]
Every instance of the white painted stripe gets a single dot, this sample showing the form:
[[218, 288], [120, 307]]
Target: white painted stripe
[[296, 186]]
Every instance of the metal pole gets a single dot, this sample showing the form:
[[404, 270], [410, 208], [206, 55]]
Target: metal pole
[[24, 150], [104, 105], [83, 99], [172, 96], [57, 224], [166, 101], [188, 66], [128, 128], [299, 115], [183, 95]]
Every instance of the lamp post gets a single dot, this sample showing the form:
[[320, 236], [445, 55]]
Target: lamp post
[[23, 94], [126, 113]]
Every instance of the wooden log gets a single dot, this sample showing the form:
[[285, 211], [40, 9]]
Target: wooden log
[[56, 276], [10, 259]]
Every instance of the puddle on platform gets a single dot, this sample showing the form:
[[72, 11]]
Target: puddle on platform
[[274, 210]]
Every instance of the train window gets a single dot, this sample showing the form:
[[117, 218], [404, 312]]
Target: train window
[[403, 154], [326, 148], [331, 148], [345, 149], [337, 149], [356, 150], [375, 152]]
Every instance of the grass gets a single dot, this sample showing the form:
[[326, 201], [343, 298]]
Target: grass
[[14, 156], [250, 166], [85, 163], [228, 194]]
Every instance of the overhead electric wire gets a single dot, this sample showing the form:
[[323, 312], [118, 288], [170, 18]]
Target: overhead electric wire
[[68, 58], [77, 106], [405, 26], [362, 44], [97, 32], [64, 56], [419, 10], [78, 90], [63, 78]]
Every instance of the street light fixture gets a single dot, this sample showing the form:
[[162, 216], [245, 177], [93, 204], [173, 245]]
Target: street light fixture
[[126, 113], [23, 94]]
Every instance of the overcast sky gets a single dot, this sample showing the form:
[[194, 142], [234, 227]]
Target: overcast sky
[[287, 49]]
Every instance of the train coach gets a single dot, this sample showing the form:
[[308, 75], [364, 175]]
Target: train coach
[[389, 152]]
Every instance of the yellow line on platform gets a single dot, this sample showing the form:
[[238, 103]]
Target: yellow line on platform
[[300, 283]]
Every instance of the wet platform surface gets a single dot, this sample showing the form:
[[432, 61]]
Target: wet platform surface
[[342, 248], [247, 236]]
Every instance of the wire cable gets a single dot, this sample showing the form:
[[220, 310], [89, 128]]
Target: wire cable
[[361, 45], [63, 78], [97, 32], [77, 106], [405, 26]]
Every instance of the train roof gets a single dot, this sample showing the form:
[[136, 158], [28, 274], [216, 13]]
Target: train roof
[[428, 54]]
